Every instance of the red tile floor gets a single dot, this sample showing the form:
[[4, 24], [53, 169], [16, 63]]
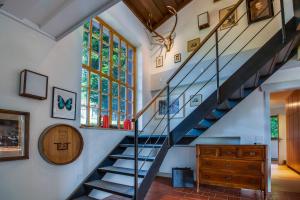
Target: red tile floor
[[161, 189]]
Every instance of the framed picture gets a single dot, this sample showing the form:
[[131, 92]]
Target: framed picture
[[177, 58], [159, 61], [14, 135], [192, 45], [259, 10], [231, 20], [33, 85], [161, 105], [64, 104], [203, 20], [195, 100]]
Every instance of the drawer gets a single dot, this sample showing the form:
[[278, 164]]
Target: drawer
[[228, 152], [233, 166], [208, 152], [236, 181], [251, 153]]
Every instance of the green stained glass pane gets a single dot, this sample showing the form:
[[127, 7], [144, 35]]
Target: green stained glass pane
[[123, 93], [95, 45], [105, 67], [104, 86], [94, 116], [104, 102], [85, 39], [115, 104], [84, 77], [96, 29], [130, 80], [274, 127], [123, 63], [83, 117], [86, 25], [94, 81], [95, 61], [130, 95], [105, 52], [116, 44], [123, 49], [115, 72], [85, 56], [123, 76], [94, 99], [115, 89], [106, 35], [84, 96], [123, 106], [130, 66], [115, 58]]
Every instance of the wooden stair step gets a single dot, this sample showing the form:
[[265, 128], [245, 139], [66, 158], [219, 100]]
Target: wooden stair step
[[131, 157], [122, 171], [110, 187], [85, 198]]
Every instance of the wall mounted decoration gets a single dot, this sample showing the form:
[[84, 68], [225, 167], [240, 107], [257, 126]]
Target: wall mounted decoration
[[193, 44], [14, 135], [60, 144], [259, 10], [33, 85], [195, 100], [231, 20], [203, 20], [159, 61], [161, 106], [177, 58], [64, 104]]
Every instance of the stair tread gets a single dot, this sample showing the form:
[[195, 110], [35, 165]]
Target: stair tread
[[85, 198], [131, 157], [115, 188], [121, 170], [142, 145]]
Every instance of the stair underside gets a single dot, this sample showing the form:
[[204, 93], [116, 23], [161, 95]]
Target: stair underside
[[131, 157], [122, 171]]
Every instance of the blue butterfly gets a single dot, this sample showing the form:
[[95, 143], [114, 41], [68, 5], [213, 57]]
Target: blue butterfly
[[62, 103]]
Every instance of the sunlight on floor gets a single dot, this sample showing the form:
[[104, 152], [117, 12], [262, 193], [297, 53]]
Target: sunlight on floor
[[284, 179]]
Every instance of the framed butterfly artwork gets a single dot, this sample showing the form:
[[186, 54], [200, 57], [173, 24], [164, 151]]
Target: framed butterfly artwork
[[64, 104]]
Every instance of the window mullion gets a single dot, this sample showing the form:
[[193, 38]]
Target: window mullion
[[110, 74]]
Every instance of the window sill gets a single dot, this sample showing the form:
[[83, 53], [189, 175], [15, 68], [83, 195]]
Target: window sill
[[100, 128]]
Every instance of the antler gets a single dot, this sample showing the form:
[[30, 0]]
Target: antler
[[173, 12]]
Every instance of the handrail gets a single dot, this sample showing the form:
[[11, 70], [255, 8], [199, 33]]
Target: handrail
[[188, 59]]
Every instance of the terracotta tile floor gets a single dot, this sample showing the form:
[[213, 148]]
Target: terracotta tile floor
[[161, 189]]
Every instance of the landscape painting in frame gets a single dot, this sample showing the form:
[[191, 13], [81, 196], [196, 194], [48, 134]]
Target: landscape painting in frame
[[259, 10], [175, 108], [14, 133], [231, 20], [64, 104]]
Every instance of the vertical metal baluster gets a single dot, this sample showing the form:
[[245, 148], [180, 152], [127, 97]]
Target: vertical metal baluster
[[217, 66], [168, 115], [136, 143], [283, 22]]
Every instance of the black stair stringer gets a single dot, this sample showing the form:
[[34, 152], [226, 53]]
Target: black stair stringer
[[266, 53]]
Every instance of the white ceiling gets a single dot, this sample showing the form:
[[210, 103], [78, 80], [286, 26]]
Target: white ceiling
[[55, 18]]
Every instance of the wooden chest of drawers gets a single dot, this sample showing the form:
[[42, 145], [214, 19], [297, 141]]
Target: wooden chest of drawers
[[236, 166]]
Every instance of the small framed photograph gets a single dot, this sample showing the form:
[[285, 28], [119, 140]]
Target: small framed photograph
[[177, 58], [14, 135], [259, 10], [192, 45], [64, 104], [203, 20], [231, 20], [195, 100], [33, 85], [161, 105], [159, 61]]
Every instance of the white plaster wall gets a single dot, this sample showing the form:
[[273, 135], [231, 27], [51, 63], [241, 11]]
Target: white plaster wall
[[21, 48]]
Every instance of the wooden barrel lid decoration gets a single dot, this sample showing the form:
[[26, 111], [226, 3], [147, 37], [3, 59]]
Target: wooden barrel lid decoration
[[60, 144]]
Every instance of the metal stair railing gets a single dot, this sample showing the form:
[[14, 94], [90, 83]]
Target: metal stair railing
[[158, 122]]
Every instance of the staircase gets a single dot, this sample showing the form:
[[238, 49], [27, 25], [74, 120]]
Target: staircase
[[227, 67]]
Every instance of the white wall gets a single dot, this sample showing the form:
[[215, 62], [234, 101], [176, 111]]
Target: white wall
[[21, 48]]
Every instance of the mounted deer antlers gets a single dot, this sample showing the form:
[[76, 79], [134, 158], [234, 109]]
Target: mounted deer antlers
[[167, 41]]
